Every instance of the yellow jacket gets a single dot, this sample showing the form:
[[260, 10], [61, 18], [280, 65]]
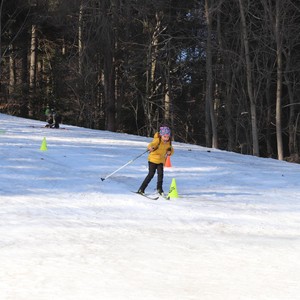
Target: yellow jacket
[[158, 156]]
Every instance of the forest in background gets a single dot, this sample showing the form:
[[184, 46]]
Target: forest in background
[[221, 73]]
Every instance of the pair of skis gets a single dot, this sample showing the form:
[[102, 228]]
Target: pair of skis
[[152, 197]]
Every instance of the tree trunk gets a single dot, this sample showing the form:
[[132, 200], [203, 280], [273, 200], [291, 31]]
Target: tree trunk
[[1, 6], [292, 111], [168, 117], [80, 38], [269, 117], [209, 80], [167, 103], [24, 78], [109, 69], [32, 68], [227, 81], [255, 146], [292, 114], [279, 81], [12, 70]]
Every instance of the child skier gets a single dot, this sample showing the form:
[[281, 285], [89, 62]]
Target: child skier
[[159, 149]]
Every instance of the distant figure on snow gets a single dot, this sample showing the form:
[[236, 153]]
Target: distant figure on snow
[[54, 119], [47, 112]]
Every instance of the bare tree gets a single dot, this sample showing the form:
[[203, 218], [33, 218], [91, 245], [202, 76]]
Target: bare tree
[[255, 146], [278, 39], [32, 68], [1, 9], [210, 112]]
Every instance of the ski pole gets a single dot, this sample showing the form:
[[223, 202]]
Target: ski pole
[[124, 165]]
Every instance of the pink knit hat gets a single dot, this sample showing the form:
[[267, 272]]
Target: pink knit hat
[[164, 131]]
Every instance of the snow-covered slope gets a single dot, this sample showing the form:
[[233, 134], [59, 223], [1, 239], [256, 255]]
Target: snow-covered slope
[[233, 233]]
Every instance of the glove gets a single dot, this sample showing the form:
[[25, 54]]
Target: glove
[[169, 151]]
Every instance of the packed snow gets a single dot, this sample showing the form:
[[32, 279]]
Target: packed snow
[[232, 233]]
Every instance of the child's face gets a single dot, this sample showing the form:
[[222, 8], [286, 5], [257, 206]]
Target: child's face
[[165, 138]]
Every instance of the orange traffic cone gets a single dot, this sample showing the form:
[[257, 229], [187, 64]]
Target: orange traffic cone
[[168, 162]]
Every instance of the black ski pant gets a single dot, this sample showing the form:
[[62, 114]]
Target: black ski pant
[[160, 174]]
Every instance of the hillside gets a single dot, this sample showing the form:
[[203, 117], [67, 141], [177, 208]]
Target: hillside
[[233, 233]]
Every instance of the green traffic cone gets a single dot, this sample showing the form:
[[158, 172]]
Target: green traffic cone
[[44, 145], [173, 190]]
